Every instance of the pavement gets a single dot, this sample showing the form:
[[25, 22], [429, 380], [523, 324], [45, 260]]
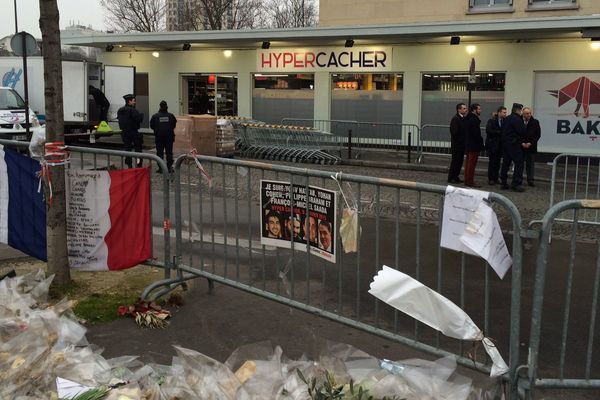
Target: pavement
[[216, 323]]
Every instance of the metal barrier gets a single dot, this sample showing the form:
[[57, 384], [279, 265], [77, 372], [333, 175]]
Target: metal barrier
[[363, 136], [289, 143], [576, 176], [219, 226], [435, 139], [572, 366], [94, 158]]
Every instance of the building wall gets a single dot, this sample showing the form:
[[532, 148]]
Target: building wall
[[359, 12], [519, 61]]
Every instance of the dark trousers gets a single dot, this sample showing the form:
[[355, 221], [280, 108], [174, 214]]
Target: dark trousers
[[456, 163], [103, 111], [512, 154], [165, 144], [133, 141], [529, 166], [494, 164], [470, 165]]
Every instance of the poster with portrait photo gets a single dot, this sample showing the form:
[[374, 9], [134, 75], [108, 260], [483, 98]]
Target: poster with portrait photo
[[282, 225]]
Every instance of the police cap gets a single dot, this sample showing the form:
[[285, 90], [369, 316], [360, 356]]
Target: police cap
[[163, 104], [128, 97]]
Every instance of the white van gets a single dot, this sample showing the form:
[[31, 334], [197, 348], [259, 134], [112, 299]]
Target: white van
[[12, 116]]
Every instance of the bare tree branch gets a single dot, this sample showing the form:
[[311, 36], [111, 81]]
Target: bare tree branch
[[135, 15]]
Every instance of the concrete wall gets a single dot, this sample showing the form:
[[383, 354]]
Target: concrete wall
[[360, 12], [518, 60]]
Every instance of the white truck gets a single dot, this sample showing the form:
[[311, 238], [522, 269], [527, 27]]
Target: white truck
[[80, 114]]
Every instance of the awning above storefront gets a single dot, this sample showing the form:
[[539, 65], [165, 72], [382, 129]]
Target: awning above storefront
[[500, 30]]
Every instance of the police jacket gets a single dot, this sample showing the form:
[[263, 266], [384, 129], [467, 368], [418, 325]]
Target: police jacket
[[513, 130], [474, 141], [130, 119], [99, 97], [533, 132], [163, 123], [457, 132]]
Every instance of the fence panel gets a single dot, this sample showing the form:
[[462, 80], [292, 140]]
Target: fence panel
[[104, 159], [435, 139], [219, 229], [566, 286], [576, 176]]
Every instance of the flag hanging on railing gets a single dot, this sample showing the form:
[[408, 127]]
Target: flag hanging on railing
[[108, 214]]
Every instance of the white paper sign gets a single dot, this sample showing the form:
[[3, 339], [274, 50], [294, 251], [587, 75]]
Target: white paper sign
[[483, 236], [459, 206]]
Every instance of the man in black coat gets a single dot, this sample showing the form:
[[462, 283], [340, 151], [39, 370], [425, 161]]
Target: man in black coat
[[163, 123], [493, 130], [513, 133], [473, 143], [533, 132], [102, 103], [457, 143], [130, 120]]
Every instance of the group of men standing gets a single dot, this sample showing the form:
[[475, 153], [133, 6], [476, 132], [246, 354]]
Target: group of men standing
[[510, 139]]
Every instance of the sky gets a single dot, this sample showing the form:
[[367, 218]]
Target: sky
[[81, 12]]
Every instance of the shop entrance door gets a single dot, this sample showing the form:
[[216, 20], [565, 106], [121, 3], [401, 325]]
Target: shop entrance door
[[216, 94]]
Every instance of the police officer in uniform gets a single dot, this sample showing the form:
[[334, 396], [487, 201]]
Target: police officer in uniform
[[130, 120], [163, 123]]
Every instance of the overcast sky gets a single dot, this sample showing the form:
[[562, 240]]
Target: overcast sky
[[82, 12]]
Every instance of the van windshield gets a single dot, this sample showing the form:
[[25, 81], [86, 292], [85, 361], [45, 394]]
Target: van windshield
[[10, 100]]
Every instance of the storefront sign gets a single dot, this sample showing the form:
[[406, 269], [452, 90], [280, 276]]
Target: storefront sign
[[325, 59], [567, 104], [283, 224]]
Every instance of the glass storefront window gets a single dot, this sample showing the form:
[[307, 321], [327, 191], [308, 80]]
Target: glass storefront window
[[367, 97], [278, 96], [221, 90], [442, 91]]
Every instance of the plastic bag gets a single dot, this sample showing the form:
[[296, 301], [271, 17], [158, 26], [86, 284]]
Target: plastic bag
[[38, 140], [349, 229]]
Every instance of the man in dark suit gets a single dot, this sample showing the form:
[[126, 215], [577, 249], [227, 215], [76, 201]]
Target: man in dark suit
[[513, 133], [473, 143], [533, 132], [493, 130], [457, 143]]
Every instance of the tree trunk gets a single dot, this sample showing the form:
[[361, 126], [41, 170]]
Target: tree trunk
[[56, 223]]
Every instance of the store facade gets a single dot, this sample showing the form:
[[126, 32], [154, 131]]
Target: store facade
[[390, 74]]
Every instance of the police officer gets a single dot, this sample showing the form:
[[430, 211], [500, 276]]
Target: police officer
[[130, 120], [513, 133], [102, 103], [163, 123]]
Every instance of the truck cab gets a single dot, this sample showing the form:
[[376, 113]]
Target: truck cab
[[12, 116]]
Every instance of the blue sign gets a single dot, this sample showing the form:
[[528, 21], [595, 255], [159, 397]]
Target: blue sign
[[12, 77]]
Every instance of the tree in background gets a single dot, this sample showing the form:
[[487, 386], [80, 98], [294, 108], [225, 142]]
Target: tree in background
[[56, 215], [292, 13], [221, 14], [135, 15]]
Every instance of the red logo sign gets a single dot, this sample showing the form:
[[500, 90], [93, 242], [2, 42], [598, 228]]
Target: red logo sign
[[583, 90]]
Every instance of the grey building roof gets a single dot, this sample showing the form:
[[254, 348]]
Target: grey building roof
[[521, 29]]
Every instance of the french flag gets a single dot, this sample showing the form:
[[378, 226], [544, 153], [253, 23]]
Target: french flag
[[108, 214]]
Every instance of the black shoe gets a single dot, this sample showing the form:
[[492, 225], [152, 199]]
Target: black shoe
[[492, 183], [454, 181], [531, 184], [505, 186], [518, 188]]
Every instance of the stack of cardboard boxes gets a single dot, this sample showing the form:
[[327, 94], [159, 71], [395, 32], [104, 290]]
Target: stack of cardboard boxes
[[196, 132]]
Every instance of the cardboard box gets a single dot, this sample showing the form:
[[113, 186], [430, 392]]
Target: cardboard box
[[196, 132]]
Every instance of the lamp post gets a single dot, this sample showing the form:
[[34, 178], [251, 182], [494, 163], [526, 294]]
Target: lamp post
[[16, 26], [471, 79]]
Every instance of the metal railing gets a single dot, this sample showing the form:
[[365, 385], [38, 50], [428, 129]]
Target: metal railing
[[95, 158], [576, 176], [574, 288], [435, 140], [218, 236]]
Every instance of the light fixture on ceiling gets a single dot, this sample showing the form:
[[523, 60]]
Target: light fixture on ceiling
[[349, 43], [109, 47], [155, 54], [471, 49], [595, 45], [186, 46], [227, 53], [455, 40], [265, 45]]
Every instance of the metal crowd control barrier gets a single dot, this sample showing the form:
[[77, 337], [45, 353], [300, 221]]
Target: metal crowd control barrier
[[94, 158], [435, 139], [219, 224], [576, 176], [363, 136], [289, 143], [571, 366]]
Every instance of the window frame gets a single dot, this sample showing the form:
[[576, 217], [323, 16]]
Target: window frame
[[535, 5], [491, 5]]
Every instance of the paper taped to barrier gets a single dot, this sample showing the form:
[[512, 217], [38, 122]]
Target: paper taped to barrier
[[431, 308], [483, 236], [459, 206]]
